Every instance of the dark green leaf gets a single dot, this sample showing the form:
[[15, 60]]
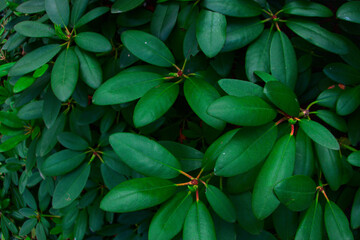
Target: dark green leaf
[[240, 88], [305, 160], [282, 97], [27, 226], [70, 186], [32, 110], [93, 42], [91, 15], [336, 223], [278, 166], [211, 32], [121, 6], [311, 225], [332, 119], [200, 95], [319, 134], [296, 192], [163, 20], [137, 194], [169, 219], [77, 10], [31, 6], [40, 232], [72, 141], [64, 75], [234, 8], [198, 223], [349, 12], [51, 108], [144, 155], [220, 203], [34, 59], [126, 87], [283, 60], [354, 159], [243, 111], [155, 103], [62, 162], [349, 101], [10, 119], [148, 48], [58, 11], [355, 211], [342, 73], [307, 9], [34, 29]]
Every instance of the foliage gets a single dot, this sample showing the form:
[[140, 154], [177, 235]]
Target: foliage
[[180, 119]]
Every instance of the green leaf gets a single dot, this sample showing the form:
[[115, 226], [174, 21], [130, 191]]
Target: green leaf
[[354, 159], [23, 83], [155, 103], [121, 6], [51, 108], [10, 119], [211, 32], [234, 8], [72, 141], [34, 29], [296, 192], [91, 15], [31, 6], [64, 75], [245, 215], [40, 71], [331, 166], [332, 119], [319, 134], [70, 186], [216, 148], [62, 162], [125, 87], [58, 11], [266, 77], [282, 97], [144, 155], [278, 166], [240, 88], [355, 211], [311, 225], [198, 223], [77, 10], [349, 101], [148, 48], [283, 60], [163, 20], [12, 142], [258, 55], [342, 73], [240, 32], [32, 110], [349, 11], [220, 203], [243, 111], [40, 232], [318, 36], [336, 223], [35, 59], [200, 95], [307, 9], [169, 219], [305, 160], [246, 150], [90, 68], [81, 225], [137, 194], [27, 226], [93, 42]]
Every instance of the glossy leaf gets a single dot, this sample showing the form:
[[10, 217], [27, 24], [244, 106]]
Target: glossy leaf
[[58, 11], [137, 194], [90, 69], [282, 97], [211, 32], [349, 12], [283, 60], [12, 142], [355, 211], [296, 192], [70, 187], [348, 101], [31, 6], [144, 155], [34, 59], [336, 223], [93, 42], [163, 20], [155, 103], [148, 48], [198, 223], [169, 219], [125, 87], [72, 141], [304, 160], [240, 88], [354, 158], [34, 29], [332, 119], [220, 203], [32, 110], [318, 36], [312, 224], [278, 166], [200, 95], [319, 134], [121, 6], [23, 83], [246, 150], [234, 8], [64, 75], [307, 9], [62, 162], [243, 111], [91, 15], [342, 73]]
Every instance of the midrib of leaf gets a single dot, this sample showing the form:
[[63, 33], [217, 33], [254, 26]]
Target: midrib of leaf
[[135, 192], [336, 221], [74, 183], [132, 83]]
